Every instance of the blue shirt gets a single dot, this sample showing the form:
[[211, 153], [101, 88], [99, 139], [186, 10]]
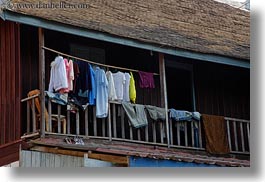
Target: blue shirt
[[101, 93], [92, 92]]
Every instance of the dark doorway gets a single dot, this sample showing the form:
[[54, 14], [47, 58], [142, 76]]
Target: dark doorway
[[179, 88]]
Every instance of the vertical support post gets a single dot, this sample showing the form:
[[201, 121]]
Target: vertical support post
[[139, 134], [109, 123], [186, 133], [114, 120], [200, 134], [50, 115], [122, 122], [86, 121], [68, 122], [192, 133], [59, 118], [28, 117], [154, 131], [235, 135], [42, 80], [242, 137], [248, 133], [131, 133], [103, 120], [178, 134], [146, 134], [33, 116], [228, 134], [163, 86], [161, 132], [94, 121], [171, 131], [77, 122]]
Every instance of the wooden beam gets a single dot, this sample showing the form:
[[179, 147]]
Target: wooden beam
[[122, 160], [163, 86], [42, 80]]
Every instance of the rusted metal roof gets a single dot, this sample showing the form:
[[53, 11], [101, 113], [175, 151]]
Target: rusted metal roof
[[145, 151]]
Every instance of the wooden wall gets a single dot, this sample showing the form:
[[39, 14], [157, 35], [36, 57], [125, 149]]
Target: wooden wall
[[222, 90], [10, 86]]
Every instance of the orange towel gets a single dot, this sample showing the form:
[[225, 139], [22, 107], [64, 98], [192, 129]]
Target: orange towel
[[215, 134]]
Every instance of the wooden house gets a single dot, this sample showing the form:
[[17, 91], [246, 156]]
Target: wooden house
[[199, 50]]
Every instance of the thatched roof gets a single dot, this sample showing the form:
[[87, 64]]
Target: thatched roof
[[204, 26]]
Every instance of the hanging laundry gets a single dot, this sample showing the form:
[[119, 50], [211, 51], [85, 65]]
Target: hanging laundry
[[119, 81], [126, 87], [156, 113], [132, 90], [111, 88], [76, 75], [101, 93], [215, 134], [57, 97], [83, 82], [69, 76], [92, 91], [180, 115], [58, 78], [136, 114], [146, 80]]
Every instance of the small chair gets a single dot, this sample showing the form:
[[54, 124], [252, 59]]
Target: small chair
[[54, 117]]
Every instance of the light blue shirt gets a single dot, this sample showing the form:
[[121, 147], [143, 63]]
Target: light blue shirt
[[101, 93]]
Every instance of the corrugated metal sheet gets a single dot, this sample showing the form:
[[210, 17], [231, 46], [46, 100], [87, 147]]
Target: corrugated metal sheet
[[9, 82], [144, 151], [147, 162]]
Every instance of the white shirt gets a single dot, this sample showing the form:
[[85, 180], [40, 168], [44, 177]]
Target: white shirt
[[126, 96], [111, 88], [58, 77], [119, 81]]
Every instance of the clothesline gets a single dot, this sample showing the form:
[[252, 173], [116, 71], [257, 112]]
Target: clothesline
[[91, 62]]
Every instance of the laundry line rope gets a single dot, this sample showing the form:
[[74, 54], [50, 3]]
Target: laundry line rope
[[91, 62]]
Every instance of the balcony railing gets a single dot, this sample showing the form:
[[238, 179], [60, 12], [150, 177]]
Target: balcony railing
[[186, 134]]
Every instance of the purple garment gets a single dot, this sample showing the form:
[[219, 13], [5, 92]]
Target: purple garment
[[146, 80]]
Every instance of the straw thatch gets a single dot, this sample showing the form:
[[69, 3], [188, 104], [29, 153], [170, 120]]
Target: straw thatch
[[202, 26]]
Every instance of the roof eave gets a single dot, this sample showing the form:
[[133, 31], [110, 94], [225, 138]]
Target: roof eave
[[56, 26]]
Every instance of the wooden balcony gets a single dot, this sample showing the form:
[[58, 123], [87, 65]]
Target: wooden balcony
[[116, 127]]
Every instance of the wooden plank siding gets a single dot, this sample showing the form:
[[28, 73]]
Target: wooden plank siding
[[10, 86], [222, 90]]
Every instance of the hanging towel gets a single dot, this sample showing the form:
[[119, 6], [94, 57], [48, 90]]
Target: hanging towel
[[146, 80], [132, 90], [156, 113], [215, 134], [136, 114]]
